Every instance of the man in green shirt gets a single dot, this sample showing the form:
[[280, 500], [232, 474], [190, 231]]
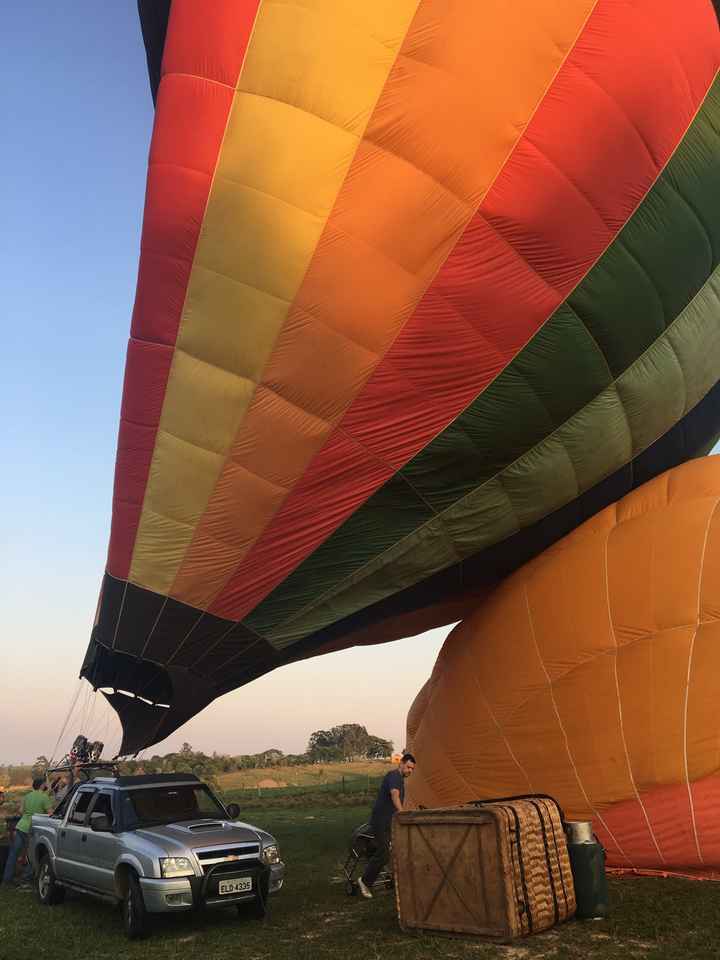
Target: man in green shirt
[[37, 801]]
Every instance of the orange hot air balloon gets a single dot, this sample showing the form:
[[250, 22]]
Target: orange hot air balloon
[[593, 674]]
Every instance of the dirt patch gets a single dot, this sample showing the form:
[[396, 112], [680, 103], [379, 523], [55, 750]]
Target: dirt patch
[[270, 783]]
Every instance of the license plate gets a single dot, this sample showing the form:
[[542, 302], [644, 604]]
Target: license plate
[[239, 885]]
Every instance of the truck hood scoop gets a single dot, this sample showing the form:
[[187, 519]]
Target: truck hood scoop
[[200, 834]]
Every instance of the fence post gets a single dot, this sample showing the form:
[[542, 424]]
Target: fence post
[[343, 783]]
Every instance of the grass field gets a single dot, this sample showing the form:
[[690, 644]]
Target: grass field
[[317, 776], [313, 918]]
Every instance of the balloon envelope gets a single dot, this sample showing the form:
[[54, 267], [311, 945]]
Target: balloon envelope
[[421, 286], [593, 674]]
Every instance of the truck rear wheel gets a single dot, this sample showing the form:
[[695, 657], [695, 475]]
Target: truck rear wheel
[[133, 910], [49, 892]]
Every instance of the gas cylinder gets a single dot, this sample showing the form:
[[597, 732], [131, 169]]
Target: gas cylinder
[[587, 860]]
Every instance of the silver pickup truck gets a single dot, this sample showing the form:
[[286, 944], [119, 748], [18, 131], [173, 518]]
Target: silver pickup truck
[[156, 844]]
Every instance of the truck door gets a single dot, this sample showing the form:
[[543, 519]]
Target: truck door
[[101, 847], [72, 837]]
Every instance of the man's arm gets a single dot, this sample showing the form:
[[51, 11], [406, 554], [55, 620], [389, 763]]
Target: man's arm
[[395, 797]]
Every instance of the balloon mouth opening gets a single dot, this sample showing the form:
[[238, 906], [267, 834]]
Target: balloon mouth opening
[[108, 669], [151, 701]]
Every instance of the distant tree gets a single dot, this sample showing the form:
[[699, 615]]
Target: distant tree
[[319, 740], [352, 739], [227, 764], [40, 766], [379, 749], [297, 759], [326, 755], [346, 741]]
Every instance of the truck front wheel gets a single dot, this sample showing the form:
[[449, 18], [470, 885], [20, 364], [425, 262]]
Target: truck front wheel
[[133, 909], [49, 892]]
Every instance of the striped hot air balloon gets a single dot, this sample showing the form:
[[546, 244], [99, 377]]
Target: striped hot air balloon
[[422, 284]]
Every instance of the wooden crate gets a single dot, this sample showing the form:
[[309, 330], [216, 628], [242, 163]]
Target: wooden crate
[[499, 871]]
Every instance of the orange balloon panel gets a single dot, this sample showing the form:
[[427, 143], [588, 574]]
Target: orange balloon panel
[[593, 674]]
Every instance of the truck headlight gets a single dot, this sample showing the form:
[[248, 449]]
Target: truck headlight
[[271, 854], [176, 867]]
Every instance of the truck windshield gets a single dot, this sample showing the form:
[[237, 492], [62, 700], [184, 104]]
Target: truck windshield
[[171, 804]]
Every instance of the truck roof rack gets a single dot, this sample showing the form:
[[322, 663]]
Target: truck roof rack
[[141, 780], [109, 766]]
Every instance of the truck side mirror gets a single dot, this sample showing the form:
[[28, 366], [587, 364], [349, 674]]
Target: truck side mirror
[[100, 823], [233, 811]]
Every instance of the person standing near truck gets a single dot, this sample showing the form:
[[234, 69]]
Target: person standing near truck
[[37, 801], [390, 798]]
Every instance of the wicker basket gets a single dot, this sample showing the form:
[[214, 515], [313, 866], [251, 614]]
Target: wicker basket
[[499, 870]]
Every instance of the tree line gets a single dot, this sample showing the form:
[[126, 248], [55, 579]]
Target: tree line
[[344, 742]]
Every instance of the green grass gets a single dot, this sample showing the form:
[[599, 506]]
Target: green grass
[[299, 798], [311, 776], [356, 785], [333, 784], [313, 919]]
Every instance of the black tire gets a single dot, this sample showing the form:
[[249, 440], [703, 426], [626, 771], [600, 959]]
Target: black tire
[[135, 919], [49, 892]]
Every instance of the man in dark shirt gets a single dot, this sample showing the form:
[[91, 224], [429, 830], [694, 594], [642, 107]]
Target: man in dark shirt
[[389, 799]]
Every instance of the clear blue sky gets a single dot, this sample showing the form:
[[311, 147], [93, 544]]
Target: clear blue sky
[[78, 118]]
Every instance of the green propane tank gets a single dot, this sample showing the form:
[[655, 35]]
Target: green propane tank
[[587, 861]]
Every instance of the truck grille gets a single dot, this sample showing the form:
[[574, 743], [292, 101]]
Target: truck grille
[[230, 856]]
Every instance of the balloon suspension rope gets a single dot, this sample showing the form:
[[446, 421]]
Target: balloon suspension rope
[[70, 710]]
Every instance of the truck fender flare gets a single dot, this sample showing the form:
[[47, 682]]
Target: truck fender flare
[[40, 849], [126, 863]]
